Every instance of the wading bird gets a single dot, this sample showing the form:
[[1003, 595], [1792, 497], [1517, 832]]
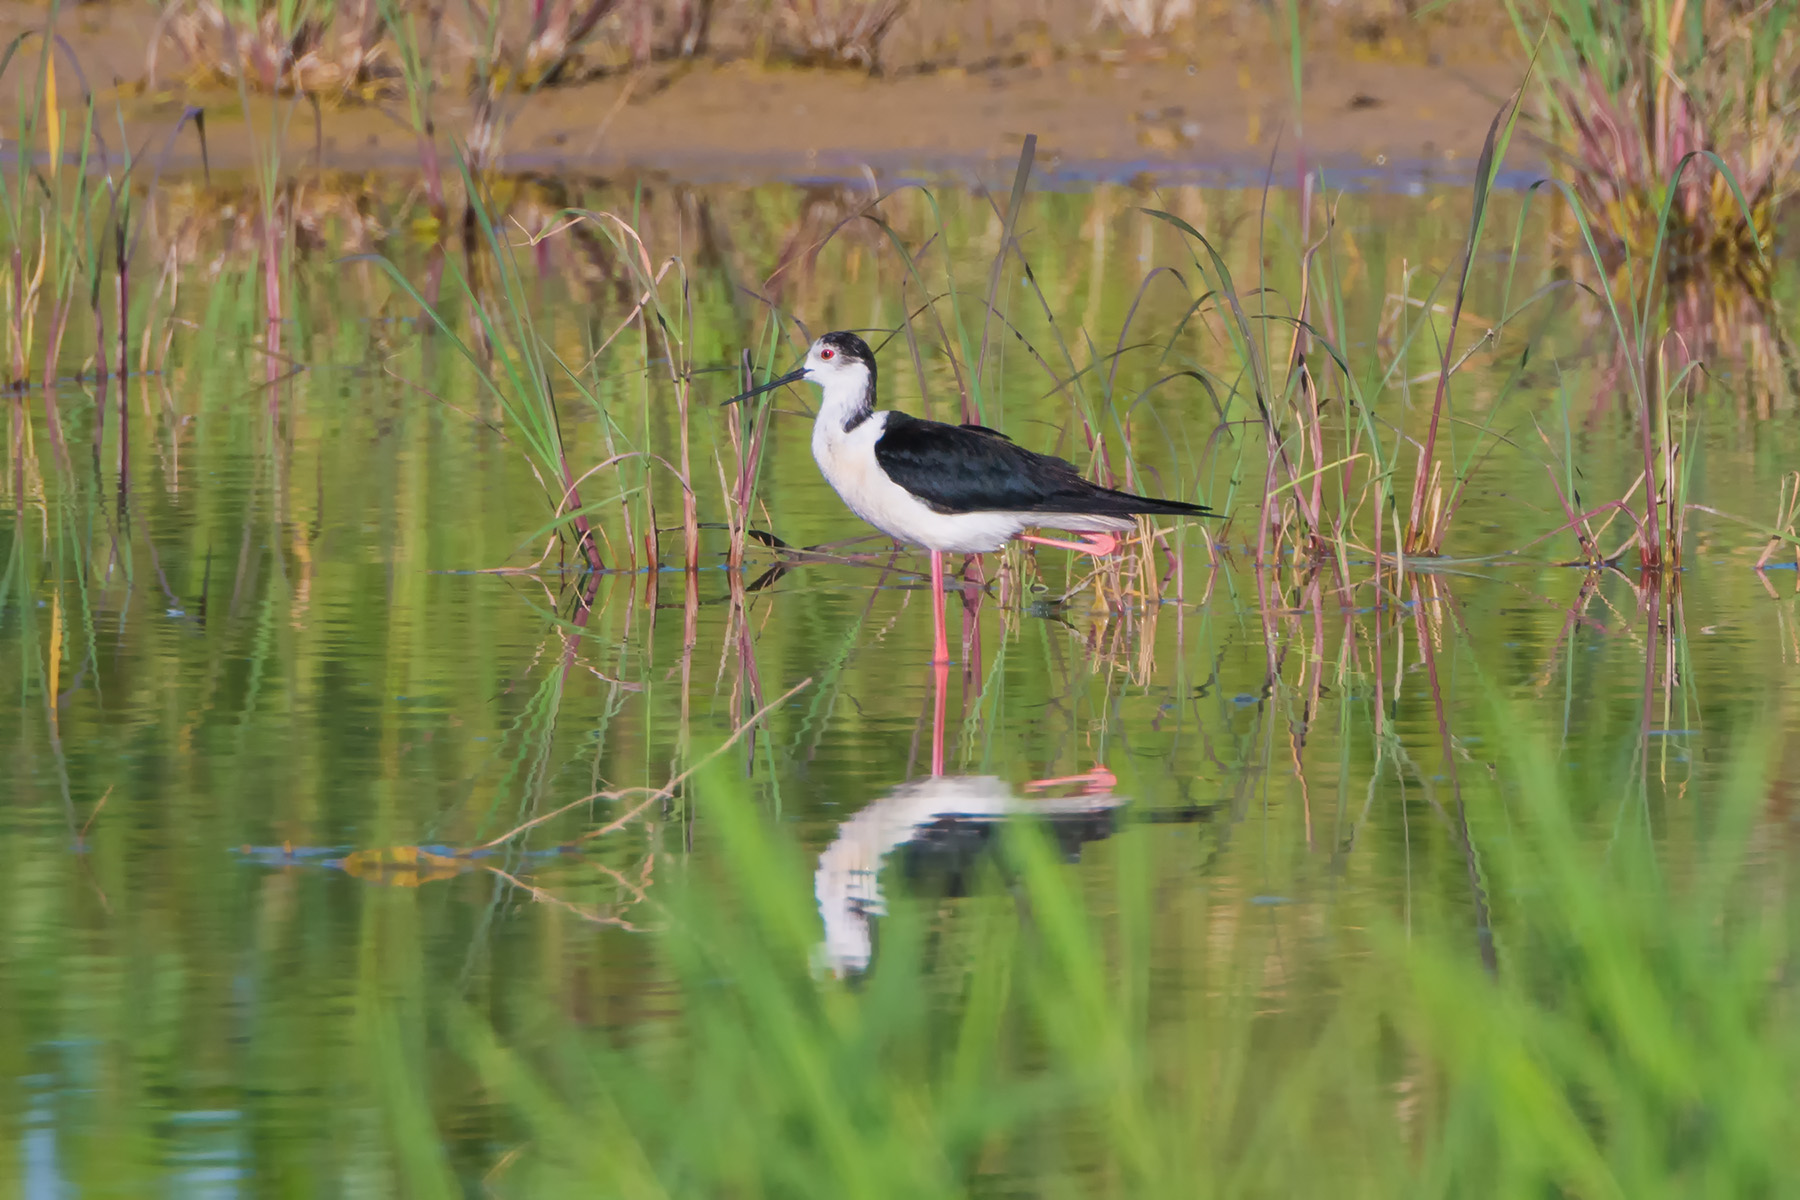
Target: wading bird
[[953, 489]]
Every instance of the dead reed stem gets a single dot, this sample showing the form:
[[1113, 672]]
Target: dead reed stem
[[272, 311], [571, 500], [59, 314], [683, 380], [1787, 508]]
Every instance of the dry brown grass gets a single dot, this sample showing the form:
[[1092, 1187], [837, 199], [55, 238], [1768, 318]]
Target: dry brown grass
[[338, 53], [348, 50], [345, 50], [846, 33], [1649, 100]]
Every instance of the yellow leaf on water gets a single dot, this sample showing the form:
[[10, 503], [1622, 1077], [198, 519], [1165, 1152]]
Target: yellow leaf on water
[[402, 866]]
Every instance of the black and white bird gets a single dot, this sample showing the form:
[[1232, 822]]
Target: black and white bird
[[953, 489]]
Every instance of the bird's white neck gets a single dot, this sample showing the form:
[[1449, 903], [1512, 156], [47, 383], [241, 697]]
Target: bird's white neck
[[847, 398]]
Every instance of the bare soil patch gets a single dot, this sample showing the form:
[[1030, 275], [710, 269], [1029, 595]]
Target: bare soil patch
[[948, 95]]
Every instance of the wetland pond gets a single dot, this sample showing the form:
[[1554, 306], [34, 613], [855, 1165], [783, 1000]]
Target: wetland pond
[[360, 841]]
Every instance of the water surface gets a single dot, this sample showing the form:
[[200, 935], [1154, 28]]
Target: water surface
[[271, 696]]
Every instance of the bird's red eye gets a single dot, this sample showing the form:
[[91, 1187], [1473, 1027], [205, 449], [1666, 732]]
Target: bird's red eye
[[828, 352]]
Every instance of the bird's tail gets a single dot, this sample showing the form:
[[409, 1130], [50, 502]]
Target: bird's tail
[[1115, 502]]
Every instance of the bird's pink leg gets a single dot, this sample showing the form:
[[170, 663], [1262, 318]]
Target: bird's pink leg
[[1096, 782], [1097, 544], [940, 649], [940, 673]]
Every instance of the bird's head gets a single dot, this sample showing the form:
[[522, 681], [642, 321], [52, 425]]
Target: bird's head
[[841, 364], [838, 359]]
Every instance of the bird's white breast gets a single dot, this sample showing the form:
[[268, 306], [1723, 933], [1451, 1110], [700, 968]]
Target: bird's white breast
[[847, 460]]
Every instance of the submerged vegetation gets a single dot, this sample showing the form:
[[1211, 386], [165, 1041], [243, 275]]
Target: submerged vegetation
[[430, 702]]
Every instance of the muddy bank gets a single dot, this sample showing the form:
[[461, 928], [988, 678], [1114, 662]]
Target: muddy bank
[[1101, 107], [1109, 118]]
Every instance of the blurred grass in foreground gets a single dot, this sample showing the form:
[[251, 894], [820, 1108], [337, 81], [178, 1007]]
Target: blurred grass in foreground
[[1635, 1038]]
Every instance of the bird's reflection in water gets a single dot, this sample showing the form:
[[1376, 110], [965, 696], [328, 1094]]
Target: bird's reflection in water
[[940, 824]]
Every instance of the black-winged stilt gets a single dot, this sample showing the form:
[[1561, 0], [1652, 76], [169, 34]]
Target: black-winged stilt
[[953, 489]]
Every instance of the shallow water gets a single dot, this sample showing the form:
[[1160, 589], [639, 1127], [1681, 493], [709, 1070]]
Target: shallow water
[[271, 699]]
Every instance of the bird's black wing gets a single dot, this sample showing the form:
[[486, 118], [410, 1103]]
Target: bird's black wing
[[970, 468], [989, 432]]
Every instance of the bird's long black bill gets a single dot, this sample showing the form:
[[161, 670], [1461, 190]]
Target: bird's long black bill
[[783, 381]]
